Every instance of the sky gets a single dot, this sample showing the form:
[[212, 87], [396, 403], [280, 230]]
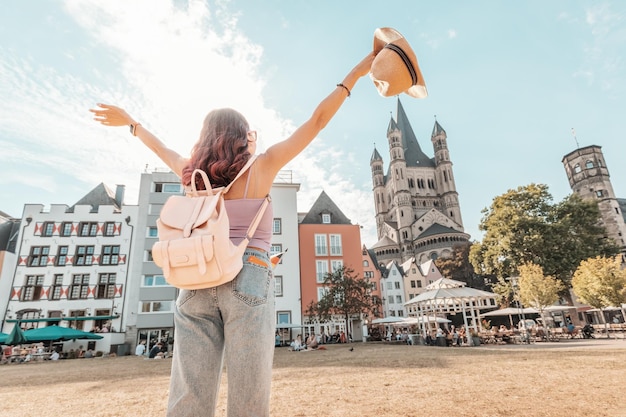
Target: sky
[[508, 81]]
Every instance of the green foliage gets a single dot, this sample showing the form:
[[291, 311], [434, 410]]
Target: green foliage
[[537, 290], [346, 295], [600, 282], [523, 226]]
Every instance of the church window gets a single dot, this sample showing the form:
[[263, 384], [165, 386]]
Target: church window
[[445, 176], [577, 168], [599, 193]]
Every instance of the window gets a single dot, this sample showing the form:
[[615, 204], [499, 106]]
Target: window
[[278, 286], [599, 193], [106, 286], [368, 274], [366, 263], [276, 248], [66, 229], [320, 245], [80, 287], [398, 299], [152, 232], [321, 269], [335, 265], [373, 286], [413, 285], [57, 287], [400, 313], [326, 218], [167, 187], [389, 285], [149, 256], [83, 255], [38, 255], [47, 229], [335, 245], [390, 298], [109, 229], [154, 281], [88, 229], [321, 293], [419, 284], [397, 285], [277, 226], [110, 255], [156, 306], [61, 258], [283, 317], [589, 164], [32, 289], [576, 168]]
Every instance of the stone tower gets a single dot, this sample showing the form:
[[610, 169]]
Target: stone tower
[[589, 177], [416, 202]]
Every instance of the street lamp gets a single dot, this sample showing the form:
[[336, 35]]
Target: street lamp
[[514, 283]]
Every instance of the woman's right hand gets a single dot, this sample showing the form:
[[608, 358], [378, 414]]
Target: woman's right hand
[[110, 115]]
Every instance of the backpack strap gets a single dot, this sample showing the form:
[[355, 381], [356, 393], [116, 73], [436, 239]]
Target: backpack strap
[[243, 170], [257, 218]]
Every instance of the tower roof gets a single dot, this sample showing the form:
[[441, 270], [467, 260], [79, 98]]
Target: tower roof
[[413, 154], [392, 125], [376, 156], [437, 129], [324, 205]]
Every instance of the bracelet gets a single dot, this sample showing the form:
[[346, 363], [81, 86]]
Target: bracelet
[[346, 88], [133, 128]]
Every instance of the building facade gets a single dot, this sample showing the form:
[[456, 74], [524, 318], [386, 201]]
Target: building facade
[[72, 267], [328, 241], [589, 177]]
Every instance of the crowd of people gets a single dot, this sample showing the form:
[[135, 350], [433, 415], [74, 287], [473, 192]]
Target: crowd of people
[[313, 341], [23, 354]]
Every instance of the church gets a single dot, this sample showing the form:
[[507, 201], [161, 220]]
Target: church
[[417, 206]]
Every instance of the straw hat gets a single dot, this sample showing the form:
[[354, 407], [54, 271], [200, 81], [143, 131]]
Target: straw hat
[[395, 68]]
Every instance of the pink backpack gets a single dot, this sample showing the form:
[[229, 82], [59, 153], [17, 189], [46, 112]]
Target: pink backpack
[[194, 248]]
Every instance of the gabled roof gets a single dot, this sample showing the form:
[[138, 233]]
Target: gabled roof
[[324, 205], [101, 195], [445, 283], [413, 154], [385, 241], [438, 229]]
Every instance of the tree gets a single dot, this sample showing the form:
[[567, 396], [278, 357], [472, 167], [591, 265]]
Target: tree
[[537, 290], [458, 267], [345, 295], [601, 283], [523, 226]]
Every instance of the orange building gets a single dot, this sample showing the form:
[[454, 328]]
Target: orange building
[[328, 241]]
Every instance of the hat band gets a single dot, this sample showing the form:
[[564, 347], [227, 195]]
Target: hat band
[[406, 60]]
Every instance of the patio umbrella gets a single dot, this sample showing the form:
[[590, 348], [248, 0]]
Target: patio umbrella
[[16, 337], [56, 333], [388, 320]]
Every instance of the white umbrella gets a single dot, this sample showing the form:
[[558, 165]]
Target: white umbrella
[[388, 320]]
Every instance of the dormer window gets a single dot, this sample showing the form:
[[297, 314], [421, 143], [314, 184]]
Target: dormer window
[[326, 218]]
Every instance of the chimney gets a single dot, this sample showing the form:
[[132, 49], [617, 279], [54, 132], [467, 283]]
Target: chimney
[[119, 194]]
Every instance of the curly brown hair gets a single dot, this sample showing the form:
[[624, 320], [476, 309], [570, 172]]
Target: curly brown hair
[[222, 149]]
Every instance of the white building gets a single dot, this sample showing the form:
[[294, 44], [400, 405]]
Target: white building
[[72, 268], [392, 291]]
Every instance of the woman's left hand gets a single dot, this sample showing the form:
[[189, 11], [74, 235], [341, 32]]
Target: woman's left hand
[[110, 115]]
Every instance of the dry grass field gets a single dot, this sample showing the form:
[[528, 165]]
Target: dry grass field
[[570, 378]]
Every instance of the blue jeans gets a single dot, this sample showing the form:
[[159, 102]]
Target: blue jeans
[[233, 323]]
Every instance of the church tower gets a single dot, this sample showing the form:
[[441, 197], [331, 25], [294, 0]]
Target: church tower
[[589, 177], [417, 206]]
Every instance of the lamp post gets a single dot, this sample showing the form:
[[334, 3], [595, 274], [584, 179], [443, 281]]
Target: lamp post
[[514, 283]]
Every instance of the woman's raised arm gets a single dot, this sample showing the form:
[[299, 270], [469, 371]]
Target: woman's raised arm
[[278, 155], [110, 115]]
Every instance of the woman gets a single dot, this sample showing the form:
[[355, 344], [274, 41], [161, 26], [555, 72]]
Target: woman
[[218, 323]]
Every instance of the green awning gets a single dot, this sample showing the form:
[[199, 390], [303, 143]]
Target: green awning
[[57, 319]]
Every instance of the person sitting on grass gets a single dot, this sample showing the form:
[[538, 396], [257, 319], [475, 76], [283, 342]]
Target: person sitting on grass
[[311, 342], [296, 344]]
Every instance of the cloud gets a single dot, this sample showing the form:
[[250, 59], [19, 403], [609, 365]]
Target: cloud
[[168, 72], [451, 33]]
